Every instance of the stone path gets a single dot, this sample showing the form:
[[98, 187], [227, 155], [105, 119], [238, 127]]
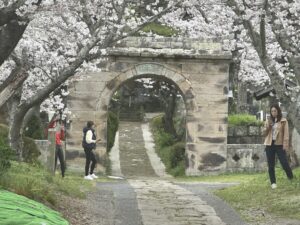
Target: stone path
[[116, 204], [133, 156], [156, 199], [162, 202]]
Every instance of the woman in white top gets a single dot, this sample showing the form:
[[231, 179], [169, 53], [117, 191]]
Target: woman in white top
[[89, 144], [276, 131]]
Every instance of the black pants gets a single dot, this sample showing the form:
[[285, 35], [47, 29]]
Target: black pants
[[89, 156], [281, 154], [60, 155]]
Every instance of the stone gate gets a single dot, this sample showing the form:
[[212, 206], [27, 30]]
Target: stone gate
[[200, 70]]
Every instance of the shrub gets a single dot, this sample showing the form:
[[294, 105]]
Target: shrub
[[4, 133], [177, 154], [6, 153], [156, 123], [172, 153], [30, 150], [112, 128], [164, 139], [34, 128], [243, 119]]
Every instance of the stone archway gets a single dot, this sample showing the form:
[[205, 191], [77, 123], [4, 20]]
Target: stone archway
[[200, 70], [140, 71], [146, 70]]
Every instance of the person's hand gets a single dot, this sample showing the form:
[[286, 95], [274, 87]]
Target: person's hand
[[269, 121]]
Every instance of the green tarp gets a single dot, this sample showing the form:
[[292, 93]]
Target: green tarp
[[19, 210]]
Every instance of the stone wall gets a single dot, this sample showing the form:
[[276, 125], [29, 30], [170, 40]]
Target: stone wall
[[246, 157], [245, 135], [245, 149], [43, 146]]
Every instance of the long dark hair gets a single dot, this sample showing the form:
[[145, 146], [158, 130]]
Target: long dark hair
[[279, 113], [89, 124]]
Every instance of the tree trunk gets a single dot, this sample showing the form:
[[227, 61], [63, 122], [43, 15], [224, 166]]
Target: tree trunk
[[10, 34], [11, 87], [242, 103], [15, 124], [292, 156]]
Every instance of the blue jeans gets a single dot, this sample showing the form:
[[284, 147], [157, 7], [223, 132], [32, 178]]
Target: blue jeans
[[281, 154]]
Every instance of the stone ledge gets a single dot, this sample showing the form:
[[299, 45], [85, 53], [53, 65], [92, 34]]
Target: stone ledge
[[166, 47], [171, 42], [169, 53]]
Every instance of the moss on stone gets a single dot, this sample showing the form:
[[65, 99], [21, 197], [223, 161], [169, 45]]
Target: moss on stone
[[159, 29]]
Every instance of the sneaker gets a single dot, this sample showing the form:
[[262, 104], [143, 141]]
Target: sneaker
[[93, 176], [88, 177], [273, 186]]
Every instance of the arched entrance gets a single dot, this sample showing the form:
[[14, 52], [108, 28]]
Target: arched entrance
[[199, 69]]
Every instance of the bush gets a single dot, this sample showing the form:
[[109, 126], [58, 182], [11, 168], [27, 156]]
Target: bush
[[172, 153], [177, 154], [243, 120], [112, 128], [156, 123], [164, 139], [30, 150], [6, 153], [34, 128]]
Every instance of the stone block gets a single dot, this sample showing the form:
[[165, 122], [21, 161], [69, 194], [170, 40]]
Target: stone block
[[254, 130], [246, 157], [241, 131], [206, 68], [89, 86], [233, 140], [230, 131], [83, 103], [246, 140], [149, 68]]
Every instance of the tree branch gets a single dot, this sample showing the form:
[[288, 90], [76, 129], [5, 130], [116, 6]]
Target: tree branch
[[285, 42]]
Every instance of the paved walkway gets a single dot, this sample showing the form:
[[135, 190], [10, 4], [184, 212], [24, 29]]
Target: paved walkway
[[148, 195]]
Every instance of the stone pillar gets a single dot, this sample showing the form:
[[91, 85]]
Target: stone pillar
[[51, 150]]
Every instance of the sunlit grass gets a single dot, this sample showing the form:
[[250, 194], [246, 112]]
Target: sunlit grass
[[253, 196]]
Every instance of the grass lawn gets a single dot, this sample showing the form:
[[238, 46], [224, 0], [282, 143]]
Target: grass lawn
[[253, 197], [36, 183]]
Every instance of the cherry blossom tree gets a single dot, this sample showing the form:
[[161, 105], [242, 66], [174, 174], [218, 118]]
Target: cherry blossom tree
[[14, 18], [263, 36], [273, 28], [64, 39]]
